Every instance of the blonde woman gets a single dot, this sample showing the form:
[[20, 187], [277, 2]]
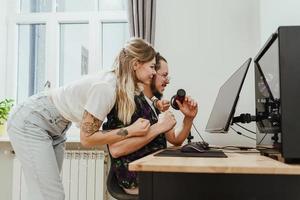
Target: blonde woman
[[37, 127], [161, 129]]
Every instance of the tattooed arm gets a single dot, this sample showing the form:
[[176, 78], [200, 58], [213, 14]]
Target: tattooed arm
[[165, 122], [90, 135], [90, 124]]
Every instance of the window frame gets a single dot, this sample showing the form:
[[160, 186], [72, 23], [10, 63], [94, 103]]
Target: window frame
[[52, 21]]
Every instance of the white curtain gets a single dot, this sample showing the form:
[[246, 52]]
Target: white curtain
[[141, 16]]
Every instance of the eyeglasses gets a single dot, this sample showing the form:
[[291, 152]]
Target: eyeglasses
[[165, 76]]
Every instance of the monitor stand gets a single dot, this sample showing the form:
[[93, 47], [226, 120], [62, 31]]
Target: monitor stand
[[190, 137]]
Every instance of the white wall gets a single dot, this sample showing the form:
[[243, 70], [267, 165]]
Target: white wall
[[205, 41], [2, 46], [276, 13]]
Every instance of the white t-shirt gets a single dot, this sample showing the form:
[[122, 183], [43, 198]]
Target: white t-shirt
[[93, 93]]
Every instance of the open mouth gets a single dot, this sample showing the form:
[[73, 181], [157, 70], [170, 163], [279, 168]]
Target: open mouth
[[163, 87]]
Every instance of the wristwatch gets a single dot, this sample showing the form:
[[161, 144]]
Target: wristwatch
[[154, 99]]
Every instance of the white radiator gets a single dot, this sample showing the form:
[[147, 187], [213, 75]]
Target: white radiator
[[83, 175]]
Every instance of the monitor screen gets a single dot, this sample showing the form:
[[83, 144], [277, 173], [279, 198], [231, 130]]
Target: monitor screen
[[267, 92], [225, 104]]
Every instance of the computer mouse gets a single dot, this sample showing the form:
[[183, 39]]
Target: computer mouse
[[195, 147]]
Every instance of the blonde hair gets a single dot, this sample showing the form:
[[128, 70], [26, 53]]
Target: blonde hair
[[135, 50]]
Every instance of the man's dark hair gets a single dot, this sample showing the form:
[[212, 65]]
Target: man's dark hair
[[158, 59]]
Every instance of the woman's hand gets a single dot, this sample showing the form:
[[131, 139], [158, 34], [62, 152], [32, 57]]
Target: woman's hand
[[188, 107], [139, 128], [167, 121]]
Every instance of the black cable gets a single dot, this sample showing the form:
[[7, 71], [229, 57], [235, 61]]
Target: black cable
[[242, 134], [245, 128], [262, 139], [198, 132]]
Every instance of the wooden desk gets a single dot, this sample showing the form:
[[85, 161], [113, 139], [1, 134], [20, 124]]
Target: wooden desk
[[241, 176]]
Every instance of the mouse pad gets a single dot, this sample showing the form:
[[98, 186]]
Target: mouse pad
[[178, 153]]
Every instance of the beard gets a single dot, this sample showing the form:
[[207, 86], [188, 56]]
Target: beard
[[155, 92]]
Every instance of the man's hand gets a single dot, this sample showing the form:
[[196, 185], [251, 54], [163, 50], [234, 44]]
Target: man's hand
[[162, 105], [188, 107]]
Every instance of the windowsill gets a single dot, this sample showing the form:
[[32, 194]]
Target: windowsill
[[4, 138], [72, 143], [73, 136]]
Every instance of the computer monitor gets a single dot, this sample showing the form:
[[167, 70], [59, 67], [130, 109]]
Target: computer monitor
[[226, 101], [267, 82], [277, 96]]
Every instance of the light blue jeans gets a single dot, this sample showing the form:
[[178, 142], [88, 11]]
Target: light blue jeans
[[37, 133]]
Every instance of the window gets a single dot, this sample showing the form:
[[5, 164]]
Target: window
[[73, 54], [31, 59], [113, 36], [76, 5], [54, 42], [28, 6]]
